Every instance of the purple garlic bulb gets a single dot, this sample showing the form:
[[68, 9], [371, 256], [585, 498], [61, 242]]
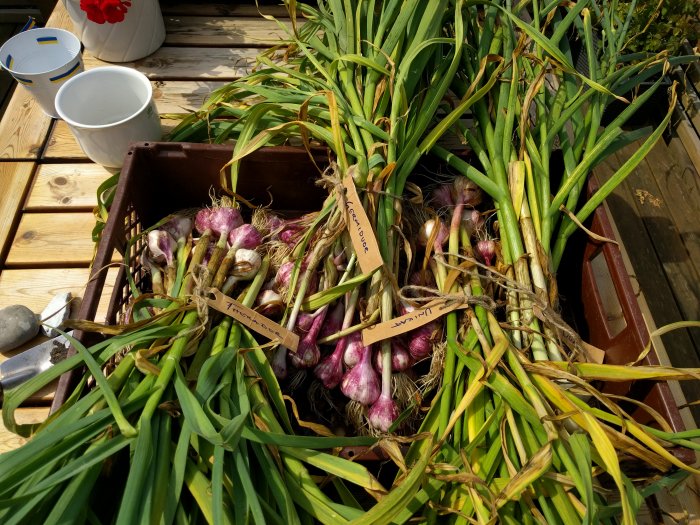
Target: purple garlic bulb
[[279, 363], [466, 192], [330, 369], [361, 383], [426, 232], [179, 227], [162, 247], [400, 358], [244, 236], [308, 353], [420, 343], [269, 303], [472, 221], [487, 250], [202, 221], [442, 196], [304, 323], [383, 413], [223, 220], [353, 350], [246, 264], [334, 321]]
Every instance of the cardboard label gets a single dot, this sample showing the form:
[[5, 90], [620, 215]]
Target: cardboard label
[[410, 321], [253, 320], [361, 233]]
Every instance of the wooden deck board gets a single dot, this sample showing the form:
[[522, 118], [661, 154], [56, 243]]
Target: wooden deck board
[[23, 128], [190, 63], [35, 287], [15, 178], [663, 204], [60, 239], [24, 416], [62, 145], [225, 9], [66, 187], [222, 31]]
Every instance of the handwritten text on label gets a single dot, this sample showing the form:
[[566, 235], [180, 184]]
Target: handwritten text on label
[[253, 320], [410, 321], [360, 229]]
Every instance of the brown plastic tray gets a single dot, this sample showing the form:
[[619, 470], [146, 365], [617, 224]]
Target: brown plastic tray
[[161, 178]]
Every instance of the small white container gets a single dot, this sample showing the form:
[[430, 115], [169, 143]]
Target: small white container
[[108, 108], [42, 60]]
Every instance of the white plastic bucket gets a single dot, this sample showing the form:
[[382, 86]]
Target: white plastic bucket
[[41, 60], [108, 108]]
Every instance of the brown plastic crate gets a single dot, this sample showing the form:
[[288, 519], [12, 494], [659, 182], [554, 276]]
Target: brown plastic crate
[[164, 177], [161, 178]]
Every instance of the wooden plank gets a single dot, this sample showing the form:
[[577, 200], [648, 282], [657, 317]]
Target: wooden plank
[[35, 287], [59, 17], [23, 127], [225, 9], [15, 178], [7, 83], [683, 506], [222, 31], [62, 145], [25, 416], [663, 211], [52, 240], [690, 100], [688, 135], [173, 96], [66, 187], [679, 185], [190, 63]]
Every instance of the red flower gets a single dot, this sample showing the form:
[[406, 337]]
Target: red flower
[[101, 11]]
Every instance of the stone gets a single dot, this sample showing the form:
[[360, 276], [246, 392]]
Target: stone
[[18, 324], [56, 313]]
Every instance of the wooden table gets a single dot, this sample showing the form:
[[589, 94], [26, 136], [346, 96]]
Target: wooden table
[[47, 185]]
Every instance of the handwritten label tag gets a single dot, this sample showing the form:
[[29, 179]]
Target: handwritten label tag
[[253, 320], [361, 234], [410, 321]]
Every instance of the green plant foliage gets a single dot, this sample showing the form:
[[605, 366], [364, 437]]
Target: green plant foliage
[[660, 25]]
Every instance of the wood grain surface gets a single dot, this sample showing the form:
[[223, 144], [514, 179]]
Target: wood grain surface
[[223, 9], [24, 125], [61, 239], [14, 183], [25, 416], [190, 63], [23, 128], [35, 287], [66, 187], [62, 146], [223, 31]]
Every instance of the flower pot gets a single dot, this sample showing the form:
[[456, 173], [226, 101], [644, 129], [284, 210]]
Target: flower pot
[[136, 30]]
